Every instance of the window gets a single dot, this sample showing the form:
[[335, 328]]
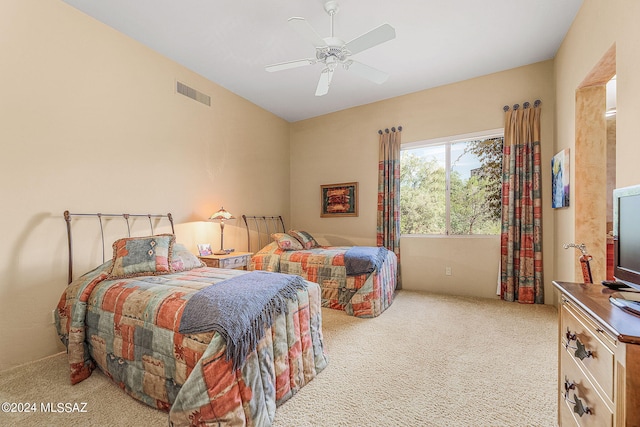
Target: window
[[452, 185]]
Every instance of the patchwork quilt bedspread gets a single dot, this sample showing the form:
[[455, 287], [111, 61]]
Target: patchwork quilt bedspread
[[363, 295], [128, 328]]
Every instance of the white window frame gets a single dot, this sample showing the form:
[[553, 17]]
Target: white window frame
[[447, 141]]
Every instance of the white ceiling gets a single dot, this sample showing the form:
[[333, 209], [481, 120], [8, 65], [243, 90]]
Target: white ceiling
[[437, 42]]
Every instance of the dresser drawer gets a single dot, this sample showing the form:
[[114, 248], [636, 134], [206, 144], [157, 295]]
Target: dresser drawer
[[234, 262], [231, 260], [210, 262], [588, 346], [576, 388]]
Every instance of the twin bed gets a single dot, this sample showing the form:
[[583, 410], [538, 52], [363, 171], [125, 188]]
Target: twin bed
[[125, 317], [213, 346], [360, 292]]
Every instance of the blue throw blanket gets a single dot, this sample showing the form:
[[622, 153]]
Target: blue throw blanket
[[364, 259], [240, 308]]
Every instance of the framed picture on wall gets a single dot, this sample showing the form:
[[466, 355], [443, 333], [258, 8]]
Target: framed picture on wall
[[339, 200], [560, 179]]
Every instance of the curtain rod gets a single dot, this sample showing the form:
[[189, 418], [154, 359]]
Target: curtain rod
[[525, 105], [392, 130]]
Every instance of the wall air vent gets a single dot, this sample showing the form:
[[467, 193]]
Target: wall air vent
[[193, 94]]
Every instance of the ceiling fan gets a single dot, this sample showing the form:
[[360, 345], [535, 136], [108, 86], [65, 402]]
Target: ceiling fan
[[332, 51]]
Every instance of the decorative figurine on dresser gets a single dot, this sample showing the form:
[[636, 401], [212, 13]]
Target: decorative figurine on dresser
[[599, 328]]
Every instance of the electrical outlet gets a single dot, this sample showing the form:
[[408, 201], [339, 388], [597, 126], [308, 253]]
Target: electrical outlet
[[447, 271], [53, 316]]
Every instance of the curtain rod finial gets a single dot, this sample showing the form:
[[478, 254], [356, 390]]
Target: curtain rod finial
[[525, 105], [393, 129]]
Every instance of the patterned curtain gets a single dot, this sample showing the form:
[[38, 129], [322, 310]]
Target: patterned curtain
[[388, 227], [521, 237]]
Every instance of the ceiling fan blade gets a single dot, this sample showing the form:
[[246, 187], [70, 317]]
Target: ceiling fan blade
[[367, 72], [289, 64], [324, 82], [306, 31], [378, 35]]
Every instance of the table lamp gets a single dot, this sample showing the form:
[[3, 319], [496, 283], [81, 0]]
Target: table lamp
[[222, 215]]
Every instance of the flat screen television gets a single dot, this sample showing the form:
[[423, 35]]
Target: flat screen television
[[626, 235]]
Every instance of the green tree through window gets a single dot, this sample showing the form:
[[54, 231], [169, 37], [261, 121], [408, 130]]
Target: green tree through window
[[452, 187]]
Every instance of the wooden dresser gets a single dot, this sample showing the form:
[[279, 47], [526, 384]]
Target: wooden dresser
[[598, 359]]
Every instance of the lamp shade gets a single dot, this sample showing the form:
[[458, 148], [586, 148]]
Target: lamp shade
[[221, 215]]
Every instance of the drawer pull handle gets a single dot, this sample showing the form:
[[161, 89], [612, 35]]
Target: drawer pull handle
[[578, 407], [571, 336], [581, 352], [568, 385]]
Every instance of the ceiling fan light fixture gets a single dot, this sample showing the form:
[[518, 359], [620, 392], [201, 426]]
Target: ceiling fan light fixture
[[332, 50]]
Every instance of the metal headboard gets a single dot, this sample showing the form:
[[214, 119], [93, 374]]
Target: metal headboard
[[68, 215], [263, 226]]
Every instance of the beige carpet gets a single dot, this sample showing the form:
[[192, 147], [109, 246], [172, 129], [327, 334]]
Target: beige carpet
[[429, 360]]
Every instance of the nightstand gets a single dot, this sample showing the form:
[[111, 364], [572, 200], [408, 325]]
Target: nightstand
[[231, 260]]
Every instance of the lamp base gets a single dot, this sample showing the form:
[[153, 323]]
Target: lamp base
[[220, 252]]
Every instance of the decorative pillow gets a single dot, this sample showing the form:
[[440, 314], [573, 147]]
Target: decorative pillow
[[286, 242], [183, 260], [304, 238], [141, 256]]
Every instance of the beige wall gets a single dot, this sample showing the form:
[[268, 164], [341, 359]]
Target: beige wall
[[598, 25], [343, 147], [91, 122]]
